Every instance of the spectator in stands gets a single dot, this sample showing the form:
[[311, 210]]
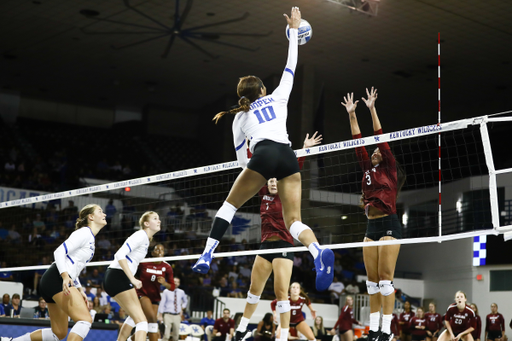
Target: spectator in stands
[[235, 292], [404, 321], [207, 320], [2, 312], [96, 279], [418, 325], [352, 288], [39, 224], [96, 305], [10, 166], [88, 293], [233, 274], [223, 327], [6, 303], [92, 311], [39, 273], [318, 328], [494, 325], [71, 209], [335, 289], [14, 235], [110, 211], [337, 267], [27, 225], [35, 239], [5, 275], [103, 296], [15, 307], [108, 310], [478, 324], [266, 329], [120, 317], [103, 243], [434, 322], [41, 311]]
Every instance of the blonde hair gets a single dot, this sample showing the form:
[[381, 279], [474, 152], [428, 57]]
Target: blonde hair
[[315, 329], [145, 218], [463, 293], [82, 220]]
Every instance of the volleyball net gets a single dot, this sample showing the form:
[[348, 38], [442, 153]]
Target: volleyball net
[[457, 186]]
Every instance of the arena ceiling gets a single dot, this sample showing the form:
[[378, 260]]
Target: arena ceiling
[[46, 53]]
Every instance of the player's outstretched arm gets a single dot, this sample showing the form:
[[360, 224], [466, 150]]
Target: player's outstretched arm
[[370, 103], [351, 106]]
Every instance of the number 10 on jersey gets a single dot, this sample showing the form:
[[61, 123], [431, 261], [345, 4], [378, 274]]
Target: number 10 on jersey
[[268, 114]]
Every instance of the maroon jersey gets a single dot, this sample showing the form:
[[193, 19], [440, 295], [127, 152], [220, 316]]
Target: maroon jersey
[[460, 320], [296, 308], [224, 327], [271, 211], [478, 328], [380, 182], [346, 319], [434, 321], [418, 322], [148, 274], [494, 322], [406, 317], [394, 324]]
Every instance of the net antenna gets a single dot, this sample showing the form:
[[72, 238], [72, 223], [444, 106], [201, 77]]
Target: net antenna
[[368, 7]]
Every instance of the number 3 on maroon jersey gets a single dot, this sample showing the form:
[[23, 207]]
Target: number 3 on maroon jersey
[[368, 179]]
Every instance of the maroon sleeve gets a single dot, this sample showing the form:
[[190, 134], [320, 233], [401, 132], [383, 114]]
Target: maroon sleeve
[[382, 145], [439, 322], [502, 322], [263, 191], [169, 277], [478, 328], [273, 305], [249, 154], [362, 154], [339, 318]]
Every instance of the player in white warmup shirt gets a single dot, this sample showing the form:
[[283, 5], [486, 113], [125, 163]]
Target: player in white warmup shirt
[[60, 286], [261, 118], [120, 282]]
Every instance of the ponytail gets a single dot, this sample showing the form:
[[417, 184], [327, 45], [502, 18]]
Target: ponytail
[[244, 104], [82, 220]]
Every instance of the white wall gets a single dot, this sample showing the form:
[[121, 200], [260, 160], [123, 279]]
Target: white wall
[[483, 298], [446, 267]]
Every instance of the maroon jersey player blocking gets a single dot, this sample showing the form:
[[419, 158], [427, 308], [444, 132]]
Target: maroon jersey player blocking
[[380, 185], [459, 320]]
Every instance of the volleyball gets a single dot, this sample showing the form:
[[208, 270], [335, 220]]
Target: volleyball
[[305, 32]]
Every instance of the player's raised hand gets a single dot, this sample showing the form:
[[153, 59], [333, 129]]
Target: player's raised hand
[[349, 103], [294, 19], [312, 141], [372, 97]]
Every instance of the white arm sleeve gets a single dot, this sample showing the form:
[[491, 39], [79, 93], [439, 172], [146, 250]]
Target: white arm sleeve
[[239, 141], [74, 241], [129, 245], [286, 84]]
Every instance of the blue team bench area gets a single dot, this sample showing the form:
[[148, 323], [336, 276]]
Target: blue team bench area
[[14, 327]]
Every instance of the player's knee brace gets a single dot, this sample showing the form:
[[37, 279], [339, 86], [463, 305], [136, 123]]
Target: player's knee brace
[[48, 335], [81, 328], [372, 287], [297, 228], [141, 326], [252, 299], [283, 306], [386, 287], [153, 327], [129, 321], [226, 212]]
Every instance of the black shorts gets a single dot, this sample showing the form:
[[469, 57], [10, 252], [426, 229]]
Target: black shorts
[[273, 160], [341, 332], [387, 226], [494, 334], [276, 244], [116, 281], [50, 284], [418, 337]]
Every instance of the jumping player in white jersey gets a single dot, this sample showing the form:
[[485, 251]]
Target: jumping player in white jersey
[[120, 282], [261, 118], [60, 286]]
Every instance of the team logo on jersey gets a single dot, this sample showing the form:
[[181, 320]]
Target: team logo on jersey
[[163, 269], [284, 254], [389, 233]]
